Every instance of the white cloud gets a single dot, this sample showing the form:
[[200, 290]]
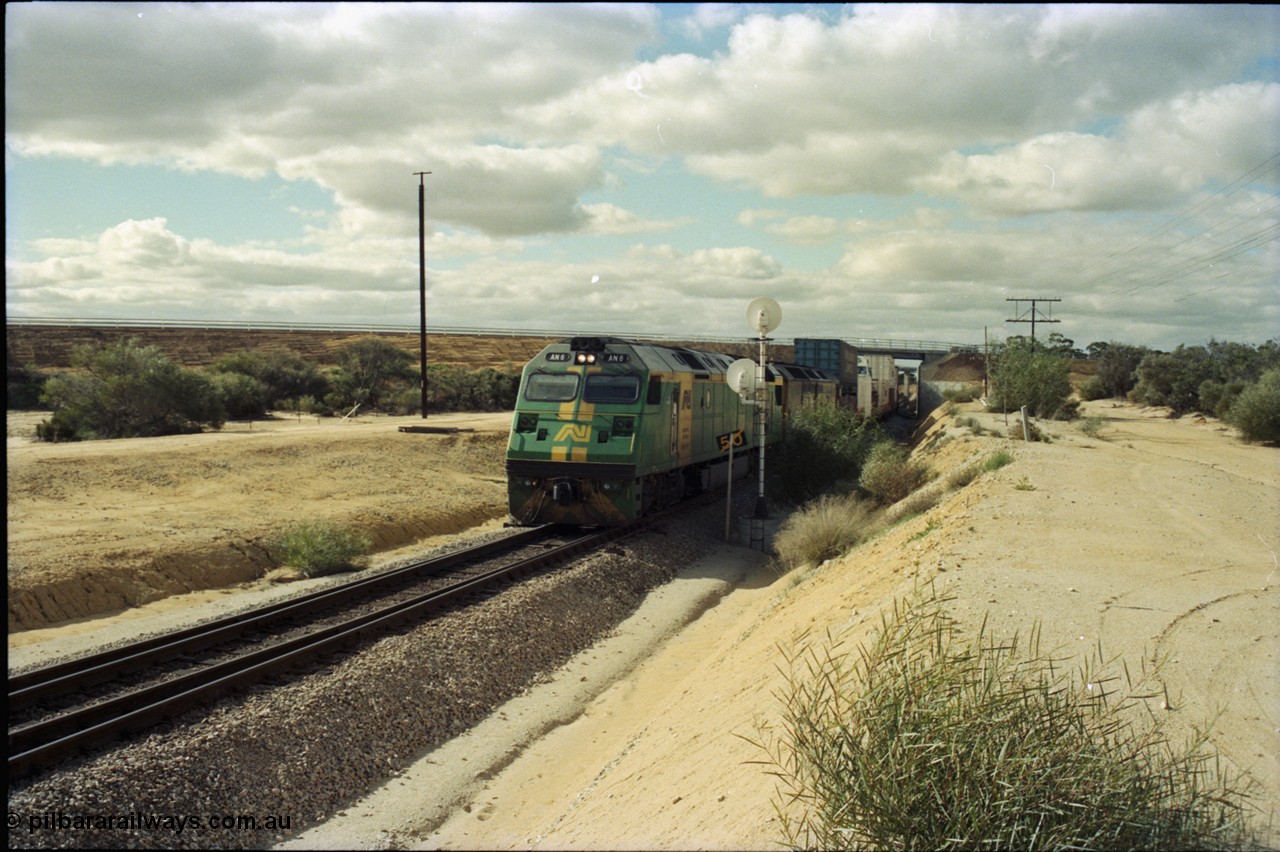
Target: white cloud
[[1002, 127], [708, 17], [1165, 151], [613, 220]]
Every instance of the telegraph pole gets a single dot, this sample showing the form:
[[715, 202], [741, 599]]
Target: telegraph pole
[[1031, 315], [422, 283]]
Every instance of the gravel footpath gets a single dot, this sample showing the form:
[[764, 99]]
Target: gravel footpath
[[287, 756]]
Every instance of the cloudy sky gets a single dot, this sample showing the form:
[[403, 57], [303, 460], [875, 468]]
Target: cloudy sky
[[881, 171]]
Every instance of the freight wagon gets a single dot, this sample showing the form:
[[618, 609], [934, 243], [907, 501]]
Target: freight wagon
[[867, 383]]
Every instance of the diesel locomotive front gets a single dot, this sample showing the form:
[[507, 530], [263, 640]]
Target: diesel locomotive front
[[606, 430]]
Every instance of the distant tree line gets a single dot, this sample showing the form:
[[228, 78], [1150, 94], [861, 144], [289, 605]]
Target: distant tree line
[[1235, 382], [126, 389]]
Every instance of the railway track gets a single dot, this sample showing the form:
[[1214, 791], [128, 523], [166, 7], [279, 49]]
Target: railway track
[[132, 688]]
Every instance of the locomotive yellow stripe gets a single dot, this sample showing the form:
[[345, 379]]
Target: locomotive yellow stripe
[[576, 409]]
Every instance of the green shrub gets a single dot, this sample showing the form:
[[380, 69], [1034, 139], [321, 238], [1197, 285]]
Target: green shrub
[[823, 529], [1216, 398], [303, 405], [1068, 410], [126, 390], [1118, 369], [320, 548], [407, 401], [25, 384], [1203, 378], [922, 740], [821, 445], [889, 474], [1256, 411], [243, 397], [370, 372], [997, 460], [1036, 379], [963, 476], [282, 375], [1092, 426], [1093, 388], [959, 394]]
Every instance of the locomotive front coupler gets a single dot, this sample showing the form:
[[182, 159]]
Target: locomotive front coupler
[[565, 492]]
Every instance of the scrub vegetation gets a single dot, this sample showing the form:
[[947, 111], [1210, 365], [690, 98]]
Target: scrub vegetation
[[924, 738], [128, 390], [822, 447], [318, 548], [889, 474], [1235, 382]]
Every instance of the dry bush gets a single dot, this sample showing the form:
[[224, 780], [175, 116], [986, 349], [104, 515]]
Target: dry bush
[[823, 529], [889, 474]]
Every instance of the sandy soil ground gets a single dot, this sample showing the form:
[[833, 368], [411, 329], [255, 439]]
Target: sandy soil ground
[[1157, 539], [106, 526]]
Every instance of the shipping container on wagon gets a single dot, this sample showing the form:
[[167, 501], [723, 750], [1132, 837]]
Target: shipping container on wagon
[[877, 385], [834, 356]]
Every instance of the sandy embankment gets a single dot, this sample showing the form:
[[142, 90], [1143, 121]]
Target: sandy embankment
[[109, 527], [1158, 541]]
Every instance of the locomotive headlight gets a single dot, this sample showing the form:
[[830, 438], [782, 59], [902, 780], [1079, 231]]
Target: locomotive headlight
[[586, 358], [624, 427], [610, 486]]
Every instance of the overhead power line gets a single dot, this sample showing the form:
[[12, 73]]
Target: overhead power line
[[1135, 273], [1271, 164]]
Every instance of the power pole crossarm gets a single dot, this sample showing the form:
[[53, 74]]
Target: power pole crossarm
[[1031, 315]]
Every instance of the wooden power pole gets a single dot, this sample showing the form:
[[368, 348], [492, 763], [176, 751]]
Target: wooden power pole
[[1031, 315]]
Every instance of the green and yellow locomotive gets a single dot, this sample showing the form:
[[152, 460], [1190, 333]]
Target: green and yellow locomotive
[[606, 430]]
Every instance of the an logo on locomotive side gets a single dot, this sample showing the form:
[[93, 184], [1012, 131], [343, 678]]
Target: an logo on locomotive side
[[574, 433]]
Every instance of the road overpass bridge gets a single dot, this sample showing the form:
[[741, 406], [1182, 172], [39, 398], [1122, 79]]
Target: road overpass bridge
[[910, 350]]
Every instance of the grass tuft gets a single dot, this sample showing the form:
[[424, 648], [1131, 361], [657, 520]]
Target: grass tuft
[[824, 528], [889, 474], [1092, 427], [320, 548], [923, 740], [997, 460]]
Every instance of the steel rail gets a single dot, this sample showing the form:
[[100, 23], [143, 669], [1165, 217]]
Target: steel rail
[[37, 685], [42, 743]]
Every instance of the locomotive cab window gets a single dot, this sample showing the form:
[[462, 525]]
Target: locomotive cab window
[[551, 387], [602, 387]]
